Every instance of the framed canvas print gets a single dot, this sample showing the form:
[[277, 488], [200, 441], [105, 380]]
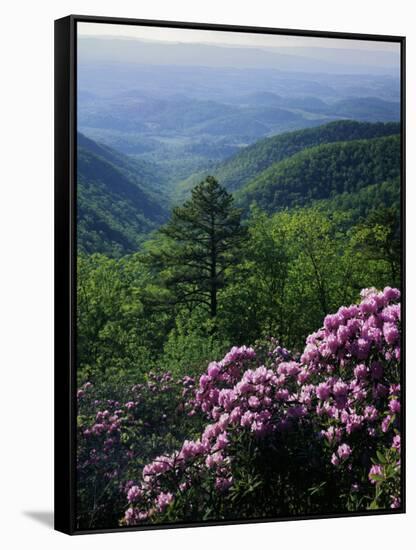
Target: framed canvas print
[[229, 274]]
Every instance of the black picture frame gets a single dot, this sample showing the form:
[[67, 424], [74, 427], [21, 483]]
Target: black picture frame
[[65, 258]]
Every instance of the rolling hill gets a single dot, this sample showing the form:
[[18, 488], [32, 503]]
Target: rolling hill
[[322, 172], [122, 199], [365, 109], [117, 201], [371, 109], [247, 164]]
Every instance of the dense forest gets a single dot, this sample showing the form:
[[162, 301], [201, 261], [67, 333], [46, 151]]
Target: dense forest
[[322, 172], [256, 254], [117, 200], [237, 170]]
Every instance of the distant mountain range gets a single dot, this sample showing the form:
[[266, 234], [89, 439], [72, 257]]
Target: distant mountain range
[[371, 109], [183, 134], [301, 59], [244, 118], [108, 79], [185, 107]]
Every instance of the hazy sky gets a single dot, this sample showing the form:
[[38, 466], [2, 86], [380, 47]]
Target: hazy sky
[[229, 38]]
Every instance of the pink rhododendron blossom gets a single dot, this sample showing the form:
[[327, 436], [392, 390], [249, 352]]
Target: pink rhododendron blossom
[[163, 500], [390, 332], [323, 390], [375, 470], [344, 451], [396, 442], [134, 493], [340, 397], [386, 423], [395, 502], [394, 406]]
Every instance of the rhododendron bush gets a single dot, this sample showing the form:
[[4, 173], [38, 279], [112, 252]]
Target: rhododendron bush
[[262, 433], [117, 436]]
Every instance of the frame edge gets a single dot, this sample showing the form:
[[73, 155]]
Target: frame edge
[[63, 371], [65, 154]]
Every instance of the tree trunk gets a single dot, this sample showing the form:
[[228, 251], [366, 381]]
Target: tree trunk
[[213, 285], [213, 274]]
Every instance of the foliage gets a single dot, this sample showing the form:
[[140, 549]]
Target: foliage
[[192, 343], [238, 170], [118, 330], [116, 200], [299, 265], [202, 240], [323, 171], [289, 272], [284, 437], [265, 432], [117, 435], [378, 238], [359, 204]]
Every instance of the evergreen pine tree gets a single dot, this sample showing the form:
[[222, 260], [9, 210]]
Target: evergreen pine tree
[[204, 238]]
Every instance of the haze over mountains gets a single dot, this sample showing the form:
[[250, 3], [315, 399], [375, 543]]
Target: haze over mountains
[[330, 60], [155, 118]]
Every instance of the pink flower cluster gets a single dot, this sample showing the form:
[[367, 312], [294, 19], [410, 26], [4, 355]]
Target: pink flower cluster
[[345, 386], [103, 452]]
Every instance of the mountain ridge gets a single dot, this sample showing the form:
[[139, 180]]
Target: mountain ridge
[[239, 169], [116, 204], [322, 172]]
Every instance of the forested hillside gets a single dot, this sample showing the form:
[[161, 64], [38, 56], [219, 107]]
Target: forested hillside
[[117, 200], [121, 199], [250, 161], [357, 205], [322, 172]]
